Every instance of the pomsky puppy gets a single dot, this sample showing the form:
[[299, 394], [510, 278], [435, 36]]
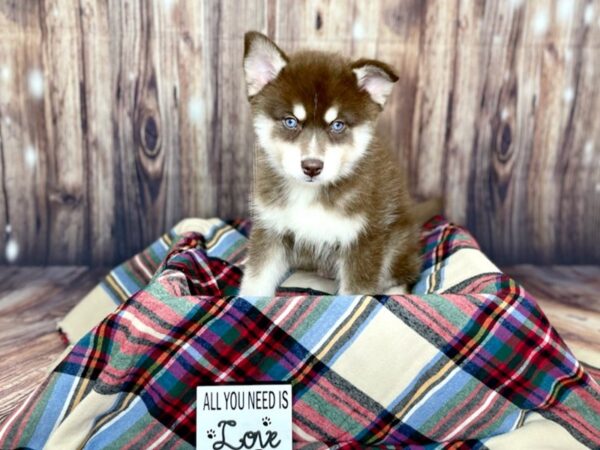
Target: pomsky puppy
[[328, 196]]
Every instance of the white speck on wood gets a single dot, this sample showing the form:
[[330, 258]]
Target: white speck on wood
[[35, 83], [516, 3], [5, 73], [588, 152], [358, 31], [30, 156], [12, 250], [568, 94], [196, 109], [541, 22], [588, 14], [565, 10]]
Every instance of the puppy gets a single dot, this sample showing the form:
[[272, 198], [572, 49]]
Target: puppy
[[328, 196]]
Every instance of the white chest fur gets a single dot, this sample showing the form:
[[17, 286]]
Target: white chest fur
[[309, 220]]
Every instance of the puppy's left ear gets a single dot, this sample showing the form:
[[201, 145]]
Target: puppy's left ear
[[263, 61], [376, 78]]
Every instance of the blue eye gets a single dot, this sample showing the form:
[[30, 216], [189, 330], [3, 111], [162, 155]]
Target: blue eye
[[338, 126], [291, 123]]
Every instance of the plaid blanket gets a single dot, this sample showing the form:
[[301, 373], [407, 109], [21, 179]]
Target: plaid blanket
[[467, 361]]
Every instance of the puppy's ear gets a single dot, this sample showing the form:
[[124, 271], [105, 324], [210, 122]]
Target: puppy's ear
[[263, 61], [376, 78]]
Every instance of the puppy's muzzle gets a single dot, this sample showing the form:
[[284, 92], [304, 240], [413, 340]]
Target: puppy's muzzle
[[312, 167]]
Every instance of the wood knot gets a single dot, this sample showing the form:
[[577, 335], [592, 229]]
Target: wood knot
[[404, 18], [505, 138], [64, 198], [502, 136], [503, 149], [150, 136]]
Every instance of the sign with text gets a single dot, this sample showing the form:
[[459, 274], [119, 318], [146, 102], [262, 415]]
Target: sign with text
[[244, 417]]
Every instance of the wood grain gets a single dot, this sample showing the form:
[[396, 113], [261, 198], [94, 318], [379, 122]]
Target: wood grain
[[98, 130], [32, 300], [23, 203], [142, 119]]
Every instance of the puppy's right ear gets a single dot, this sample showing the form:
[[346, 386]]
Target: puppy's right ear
[[263, 61]]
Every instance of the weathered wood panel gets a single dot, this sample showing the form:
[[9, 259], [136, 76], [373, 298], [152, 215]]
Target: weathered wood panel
[[66, 163], [118, 118], [32, 300]]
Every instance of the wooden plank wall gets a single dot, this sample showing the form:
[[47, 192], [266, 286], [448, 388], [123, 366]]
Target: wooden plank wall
[[120, 117]]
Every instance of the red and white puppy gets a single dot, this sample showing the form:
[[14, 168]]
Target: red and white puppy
[[328, 195]]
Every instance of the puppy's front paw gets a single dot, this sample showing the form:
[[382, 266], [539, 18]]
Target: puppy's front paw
[[397, 290], [252, 287], [356, 289], [247, 291]]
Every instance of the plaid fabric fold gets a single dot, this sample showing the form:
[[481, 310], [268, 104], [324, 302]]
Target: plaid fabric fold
[[467, 361]]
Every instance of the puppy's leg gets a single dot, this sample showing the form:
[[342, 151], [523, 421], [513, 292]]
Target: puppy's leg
[[378, 262], [407, 263], [359, 268], [267, 264], [402, 262]]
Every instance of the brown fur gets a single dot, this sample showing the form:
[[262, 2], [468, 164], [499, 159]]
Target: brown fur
[[375, 189]]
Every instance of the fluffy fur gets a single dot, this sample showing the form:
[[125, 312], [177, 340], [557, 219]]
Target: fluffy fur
[[353, 219]]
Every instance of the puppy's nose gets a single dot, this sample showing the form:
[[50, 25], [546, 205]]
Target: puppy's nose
[[312, 167]]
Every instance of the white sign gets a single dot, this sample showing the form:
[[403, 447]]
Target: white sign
[[244, 417]]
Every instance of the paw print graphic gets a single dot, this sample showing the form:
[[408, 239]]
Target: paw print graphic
[[266, 421], [211, 434]]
